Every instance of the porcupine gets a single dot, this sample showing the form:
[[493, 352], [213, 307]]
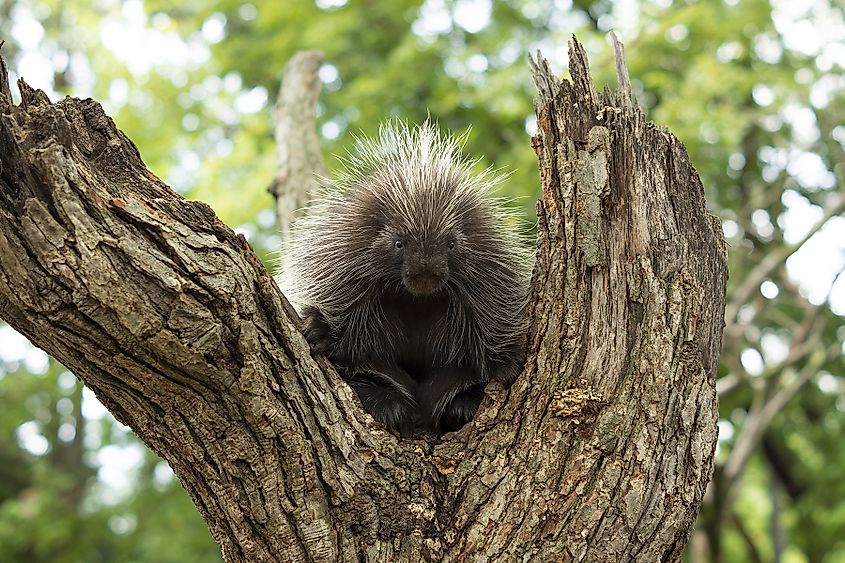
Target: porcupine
[[411, 279]]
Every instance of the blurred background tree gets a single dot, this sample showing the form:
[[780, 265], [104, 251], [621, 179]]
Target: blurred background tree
[[754, 88]]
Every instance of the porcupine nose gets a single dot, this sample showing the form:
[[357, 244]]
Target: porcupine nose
[[425, 274]]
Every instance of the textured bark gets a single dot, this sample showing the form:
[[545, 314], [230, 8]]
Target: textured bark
[[600, 452]]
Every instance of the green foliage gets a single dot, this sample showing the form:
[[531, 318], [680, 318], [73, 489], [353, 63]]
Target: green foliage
[[745, 84], [52, 506]]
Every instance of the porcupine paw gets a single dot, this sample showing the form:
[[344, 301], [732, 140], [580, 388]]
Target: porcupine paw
[[461, 409], [388, 401], [316, 330]]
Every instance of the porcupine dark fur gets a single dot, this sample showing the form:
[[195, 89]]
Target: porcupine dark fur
[[411, 279]]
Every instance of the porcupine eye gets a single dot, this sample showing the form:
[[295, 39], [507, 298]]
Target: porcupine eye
[[451, 245], [398, 244]]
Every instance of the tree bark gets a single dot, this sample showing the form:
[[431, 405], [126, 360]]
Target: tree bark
[[601, 450]]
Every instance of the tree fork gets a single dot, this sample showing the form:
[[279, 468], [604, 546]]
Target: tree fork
[[601, 451]]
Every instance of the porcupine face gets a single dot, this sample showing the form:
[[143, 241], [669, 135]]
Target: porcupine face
[[425, 262], [423, 216]]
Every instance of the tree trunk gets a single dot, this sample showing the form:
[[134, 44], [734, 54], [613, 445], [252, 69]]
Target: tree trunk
[[601, 451], [299, 161]]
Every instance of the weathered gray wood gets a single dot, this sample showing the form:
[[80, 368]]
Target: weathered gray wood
[[600, 452], [298, 156]]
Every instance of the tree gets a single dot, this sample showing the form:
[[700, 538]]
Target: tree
[[752, 95], [601, 451]]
